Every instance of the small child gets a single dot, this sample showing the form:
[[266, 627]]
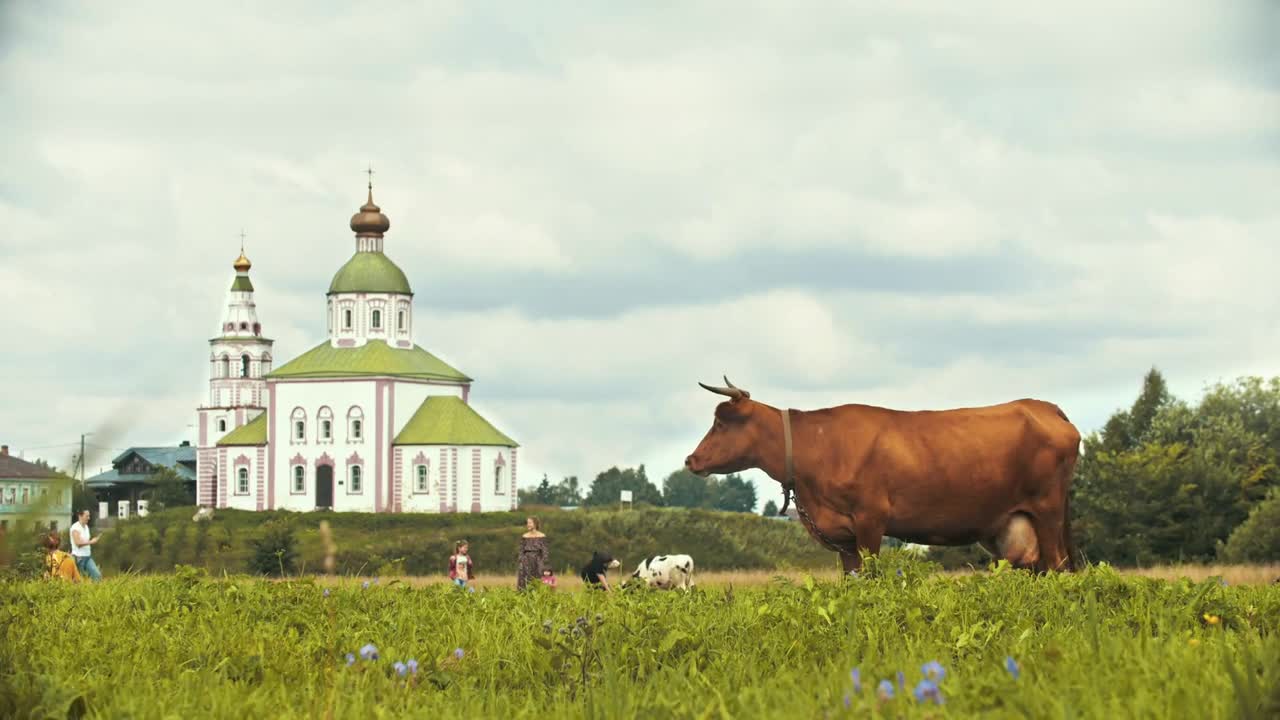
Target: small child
[[548, 579], [460, 564]]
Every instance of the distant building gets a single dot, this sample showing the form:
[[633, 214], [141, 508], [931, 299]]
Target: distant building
[[364, 421], [32, 495], [131, 472]]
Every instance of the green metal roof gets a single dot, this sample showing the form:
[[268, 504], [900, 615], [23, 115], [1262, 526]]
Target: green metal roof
[[370, 272], [374, 358], [253, 432], [242, 283], [447, 420]]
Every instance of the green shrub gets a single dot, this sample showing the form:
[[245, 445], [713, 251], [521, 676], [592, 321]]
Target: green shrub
[[275, 549], [1257, 539]]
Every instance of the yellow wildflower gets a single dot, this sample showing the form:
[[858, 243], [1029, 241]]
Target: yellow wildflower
[[1211, 619], [1194, 642]]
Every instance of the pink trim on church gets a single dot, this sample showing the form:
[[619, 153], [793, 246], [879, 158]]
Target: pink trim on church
[[475, 480], [355, 459], [397, 492], [442, 482], [204, 429], [514, 493], [466, 392], [378, 387], [271, 446], [453, 472], [324, 459], [393, 468], [297, 460], [262, 481]]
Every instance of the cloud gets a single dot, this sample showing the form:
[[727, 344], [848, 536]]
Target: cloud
[[909, 205]]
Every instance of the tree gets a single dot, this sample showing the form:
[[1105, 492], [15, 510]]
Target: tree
[[563, 494], [684, 489], [607, 488], [735, 494], [169, 489], [275, 550], [770, 509], [1257, 539]]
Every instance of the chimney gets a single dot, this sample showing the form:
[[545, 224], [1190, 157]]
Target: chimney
[[4, 451]]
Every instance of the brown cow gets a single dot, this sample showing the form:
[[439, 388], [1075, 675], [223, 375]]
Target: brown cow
[[997, 475]]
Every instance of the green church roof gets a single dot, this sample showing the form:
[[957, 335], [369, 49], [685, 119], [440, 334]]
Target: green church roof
[[370, 272], [374, 358], [253, 432], [242, 284], [447, 420]]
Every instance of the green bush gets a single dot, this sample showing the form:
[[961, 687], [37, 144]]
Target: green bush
[[275, 549], [1257, 539]]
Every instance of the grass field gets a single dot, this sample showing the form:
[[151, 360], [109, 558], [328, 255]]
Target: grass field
[[1096, 644]]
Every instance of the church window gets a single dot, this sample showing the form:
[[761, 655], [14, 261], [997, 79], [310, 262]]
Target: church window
[[244, 366], [244, 326], [355, 424], [377, 319], [25, 492], [497, 478], [299, 479], [400, 321], [346, 319], [356, 429], [422, 479], [222, 425], [326, 430], [356, 478], [299, 430], [242, 481], [226, 366]]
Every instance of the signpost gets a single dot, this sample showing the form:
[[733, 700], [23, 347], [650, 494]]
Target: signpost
[[626, 498]]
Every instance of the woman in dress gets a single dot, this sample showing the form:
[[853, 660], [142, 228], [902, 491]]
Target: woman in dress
[[533, 554]]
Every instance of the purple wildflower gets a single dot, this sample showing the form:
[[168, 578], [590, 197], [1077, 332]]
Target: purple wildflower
[[848, 701], [899, 572], [933, 670], [412, 665], [856, 675], [885, 690], [1012, 666], [401, 668], [369, 652], [902, 681], [326, 592], [457, 652], [351, 659], [928, 690], [365, 584]]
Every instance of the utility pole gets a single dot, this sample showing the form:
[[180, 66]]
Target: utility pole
[[82, 437]]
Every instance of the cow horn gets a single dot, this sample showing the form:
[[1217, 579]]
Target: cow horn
[[729, 392]]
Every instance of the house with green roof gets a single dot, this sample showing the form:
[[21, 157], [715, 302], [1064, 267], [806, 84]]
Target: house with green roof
[[33, 496], [365, 421]]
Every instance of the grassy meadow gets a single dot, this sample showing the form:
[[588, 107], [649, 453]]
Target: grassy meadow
[[1096, 644]]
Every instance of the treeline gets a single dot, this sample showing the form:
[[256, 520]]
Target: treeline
[[731, 493], [238, 541], [1168, 481]]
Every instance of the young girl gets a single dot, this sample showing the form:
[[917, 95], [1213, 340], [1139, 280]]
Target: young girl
[[460, 564], [58, 563], [548, 579]]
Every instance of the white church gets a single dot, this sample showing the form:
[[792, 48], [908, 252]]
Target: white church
[[365, 421]]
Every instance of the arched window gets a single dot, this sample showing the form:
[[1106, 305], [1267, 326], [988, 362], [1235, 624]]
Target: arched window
[[355, 424], [222, 425], [346, 319], [242, 481], [244, 365], [356, 479], [498, 474], [423, 482], [325, 416], [377, 319], [226, 367], [299, 417], [400, 321], [299, 479]]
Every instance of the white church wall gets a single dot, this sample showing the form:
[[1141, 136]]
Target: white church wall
[[469, 485], [341, 450]]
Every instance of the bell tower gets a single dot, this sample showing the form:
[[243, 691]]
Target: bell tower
[[239, 359]]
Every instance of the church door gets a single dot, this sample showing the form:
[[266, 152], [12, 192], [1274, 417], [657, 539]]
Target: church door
[[324, 486]]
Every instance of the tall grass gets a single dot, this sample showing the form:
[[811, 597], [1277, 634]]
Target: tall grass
[[1097, 644]]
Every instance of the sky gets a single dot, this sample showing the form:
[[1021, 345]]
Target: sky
[[915, 205]]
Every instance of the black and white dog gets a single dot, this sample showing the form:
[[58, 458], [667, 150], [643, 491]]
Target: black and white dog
[[594, 573]]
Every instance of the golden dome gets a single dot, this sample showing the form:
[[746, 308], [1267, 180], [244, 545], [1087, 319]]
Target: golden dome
[[370, 220], [242, 263]]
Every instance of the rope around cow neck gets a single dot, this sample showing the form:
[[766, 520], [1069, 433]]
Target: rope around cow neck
[[789, 483]]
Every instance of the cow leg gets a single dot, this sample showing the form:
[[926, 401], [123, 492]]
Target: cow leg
[[868, 533], [1053, 555]]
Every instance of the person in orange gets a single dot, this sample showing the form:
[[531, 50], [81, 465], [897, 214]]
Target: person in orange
[[59, 564]]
